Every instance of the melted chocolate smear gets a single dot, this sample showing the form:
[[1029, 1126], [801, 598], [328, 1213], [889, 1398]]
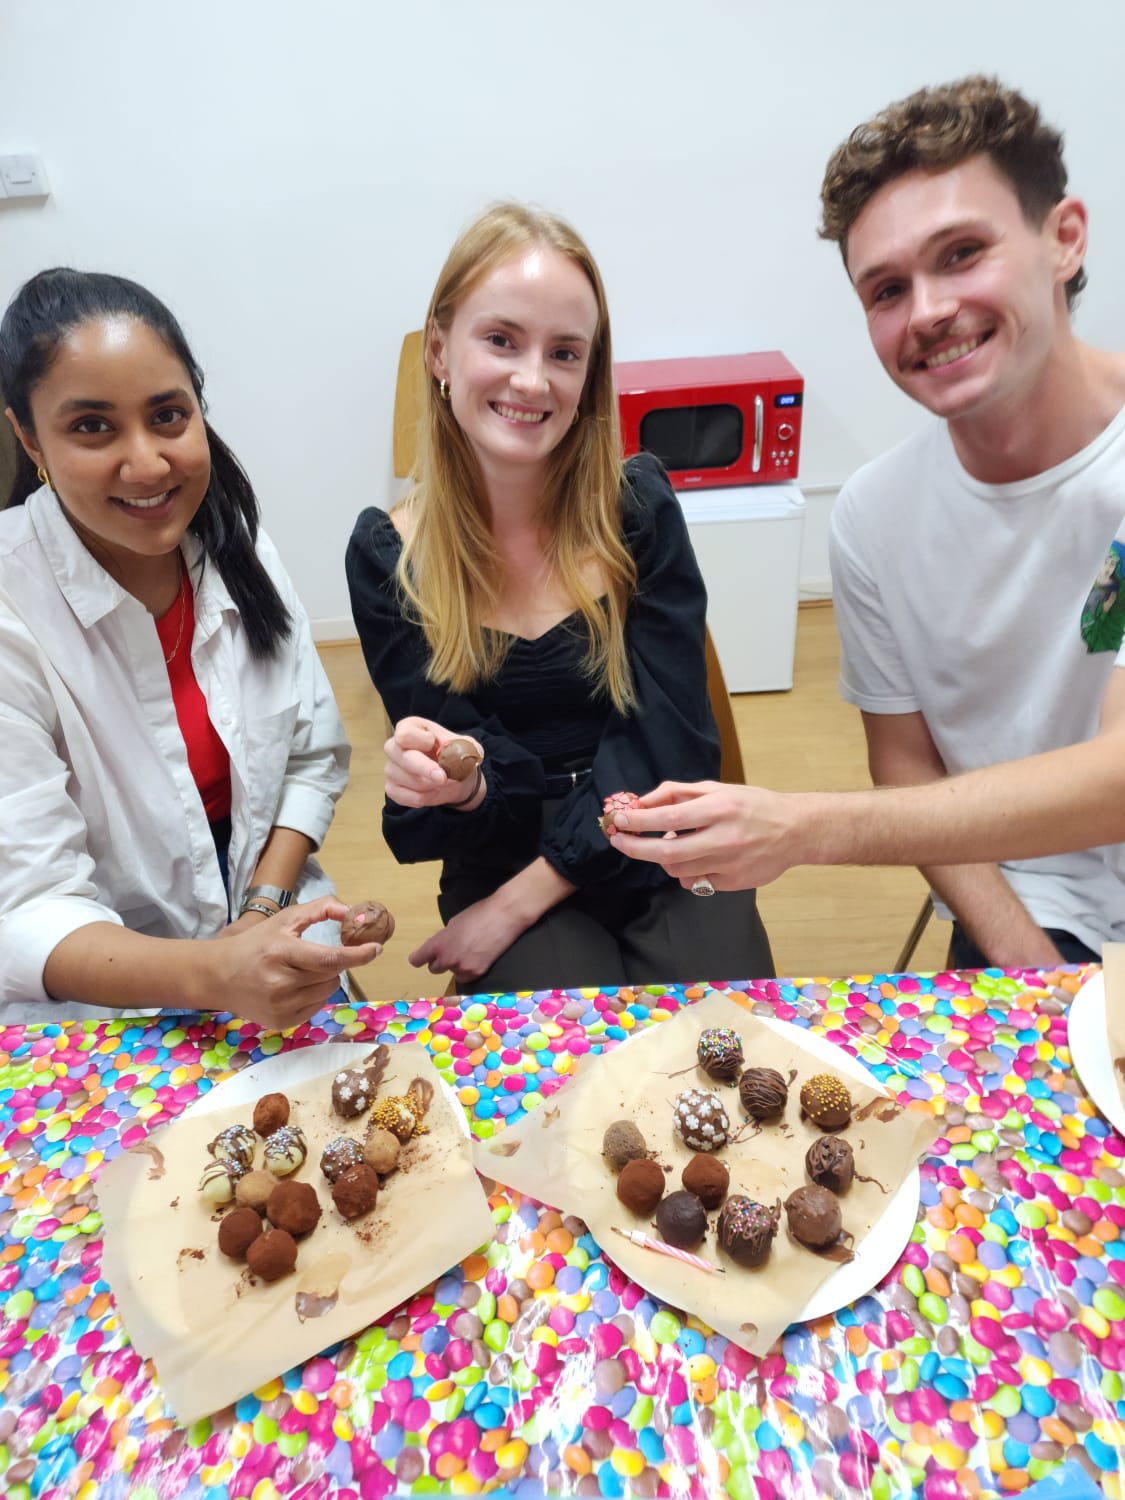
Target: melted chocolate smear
[[504, 1148], [882, 1108], [376, 1064], [551, 1116], [423, 1089], [750, 1328], [859, 1177], [146, 1148], [1119, 1064], [838, 1253], [792, 1076], [191, 1254], [311, 1305]]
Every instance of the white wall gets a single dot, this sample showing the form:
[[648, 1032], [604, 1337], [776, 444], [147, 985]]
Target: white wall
[[289, 177]]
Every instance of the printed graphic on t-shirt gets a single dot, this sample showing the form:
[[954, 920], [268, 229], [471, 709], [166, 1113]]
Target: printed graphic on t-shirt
[[1103, 614]]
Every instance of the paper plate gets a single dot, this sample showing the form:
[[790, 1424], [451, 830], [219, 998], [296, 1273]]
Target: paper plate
[[1089, 1050]]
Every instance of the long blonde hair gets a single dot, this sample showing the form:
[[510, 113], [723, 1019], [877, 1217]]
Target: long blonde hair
[[449, 573]]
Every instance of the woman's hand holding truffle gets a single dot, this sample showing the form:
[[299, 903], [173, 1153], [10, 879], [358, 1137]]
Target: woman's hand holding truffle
[[429, 766]]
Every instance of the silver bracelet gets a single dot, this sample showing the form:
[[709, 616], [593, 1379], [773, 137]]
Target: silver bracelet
[[269, 893], [266, 911]]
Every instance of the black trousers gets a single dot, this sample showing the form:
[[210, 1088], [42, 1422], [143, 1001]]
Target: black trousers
[[964, 953], [608, 937]]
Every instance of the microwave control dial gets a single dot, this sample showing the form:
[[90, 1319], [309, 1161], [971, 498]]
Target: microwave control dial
[[784, 431]]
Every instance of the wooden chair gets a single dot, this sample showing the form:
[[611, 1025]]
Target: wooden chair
[[914, 936]]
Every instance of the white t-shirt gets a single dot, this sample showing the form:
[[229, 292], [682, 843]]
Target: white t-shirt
[[968, 602], [101, 819]]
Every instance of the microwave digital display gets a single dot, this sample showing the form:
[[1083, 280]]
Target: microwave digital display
[[692, 437], [791, 398]]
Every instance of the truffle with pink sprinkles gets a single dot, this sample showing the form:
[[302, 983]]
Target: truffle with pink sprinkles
[[616, 802]]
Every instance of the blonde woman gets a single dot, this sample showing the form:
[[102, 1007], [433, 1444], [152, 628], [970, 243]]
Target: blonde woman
[[533, 594]]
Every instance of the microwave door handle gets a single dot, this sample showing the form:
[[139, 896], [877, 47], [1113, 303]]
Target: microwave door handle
[[759, 423]]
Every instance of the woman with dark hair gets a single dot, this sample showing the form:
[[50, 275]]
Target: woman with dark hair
[[172, 750]]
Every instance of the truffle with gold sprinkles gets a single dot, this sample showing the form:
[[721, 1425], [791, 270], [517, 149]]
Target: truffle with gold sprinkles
[[720, 1053], [826, 1101], [401, 1114]]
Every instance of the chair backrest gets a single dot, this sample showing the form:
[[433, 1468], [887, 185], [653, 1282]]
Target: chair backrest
[[409, 388]]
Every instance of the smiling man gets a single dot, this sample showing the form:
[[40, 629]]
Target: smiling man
[[977, 567]]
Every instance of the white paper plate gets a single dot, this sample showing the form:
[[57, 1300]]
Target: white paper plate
[[289, 1068], [1089, 1050], [890, 1234]]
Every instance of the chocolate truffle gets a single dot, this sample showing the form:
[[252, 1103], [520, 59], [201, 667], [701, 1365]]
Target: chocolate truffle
[[355, 1191], [253, 1190], [270, 1113], [623, 1143], [701, 1121], [720, 1053], [353, 1092], [459, 759], [294, 1207], [401, 1116], [814, 1217], [285, 1150], [764, 1093], [272, 1255], [380, 1150], [641, 1185], [218, 1181], [826, 1101], [339, 1155], [746, 1230], [830, 1163], [682, 1220], [367, 922], [708, 1179], [238, 1231], [235, 1143], [615, 802]]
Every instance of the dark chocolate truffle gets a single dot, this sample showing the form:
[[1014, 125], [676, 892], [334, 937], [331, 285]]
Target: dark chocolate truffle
[[623, 1143], [355, 1191], [459, 759], [235, 1143], [377, 925], [641, 1185], [720, 1053], [682, 1220], [339, 1155], [746, 1229], [764, 1093], [270, 1113], [707, 1178], [814, 1217], [701, 1121], [826, 1101], [294, 1206], [238, 1231], [272, 1255], [830, 1163]]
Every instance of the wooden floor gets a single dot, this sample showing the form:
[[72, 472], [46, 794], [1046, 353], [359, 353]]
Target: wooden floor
[[821, 922]]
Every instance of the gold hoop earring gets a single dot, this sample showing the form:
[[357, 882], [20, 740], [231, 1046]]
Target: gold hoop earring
[[443, 390], [43, 477]]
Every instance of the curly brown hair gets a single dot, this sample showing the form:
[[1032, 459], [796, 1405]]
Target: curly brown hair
[[938, 128]]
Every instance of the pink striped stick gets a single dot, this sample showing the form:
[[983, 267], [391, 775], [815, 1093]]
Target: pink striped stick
[[646, 1242]]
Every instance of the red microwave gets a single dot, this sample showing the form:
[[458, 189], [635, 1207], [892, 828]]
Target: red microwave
[[730, 419]]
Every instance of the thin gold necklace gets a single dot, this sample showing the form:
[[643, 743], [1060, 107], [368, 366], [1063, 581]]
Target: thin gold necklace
[[183, 613]]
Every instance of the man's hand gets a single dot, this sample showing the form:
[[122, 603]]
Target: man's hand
[[413, 776]]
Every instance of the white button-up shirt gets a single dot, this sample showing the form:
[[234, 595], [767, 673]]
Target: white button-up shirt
[[100, 819]]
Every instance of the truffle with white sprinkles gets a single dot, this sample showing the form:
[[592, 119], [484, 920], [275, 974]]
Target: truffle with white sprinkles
[[235, 1143], [701, 1121], [218, 1182], [720, 1053], [285, 1150], [352, 1093]]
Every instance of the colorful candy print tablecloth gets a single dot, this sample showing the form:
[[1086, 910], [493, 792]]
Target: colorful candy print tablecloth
[[990, 1355]]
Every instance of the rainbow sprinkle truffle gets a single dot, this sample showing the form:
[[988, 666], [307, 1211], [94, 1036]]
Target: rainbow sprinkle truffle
[[720, 1053]]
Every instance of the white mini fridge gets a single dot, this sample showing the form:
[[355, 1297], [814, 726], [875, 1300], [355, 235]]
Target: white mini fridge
[[748, 542]]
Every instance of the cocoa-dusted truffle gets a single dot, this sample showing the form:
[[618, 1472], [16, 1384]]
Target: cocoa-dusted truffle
[[380, 1150], [339, 1155], [826, 1101], [707, 1177], [253, 1190], [764, 1093], [682, 1220], [355, 1191], [235, 1143], [814, 1219], [272, 1255], [218, 1182], [459, 759], [614, 803], [830, 1163], [701, 1121], [746, 1230], [294, 1207], [641, 1185], [623, 1143], [270, 1113], [238, 1231], [367, 922], [720, 1053], [353, 1092], [285, 1150]]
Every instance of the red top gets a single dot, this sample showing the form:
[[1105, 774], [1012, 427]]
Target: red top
[[207, 755]]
